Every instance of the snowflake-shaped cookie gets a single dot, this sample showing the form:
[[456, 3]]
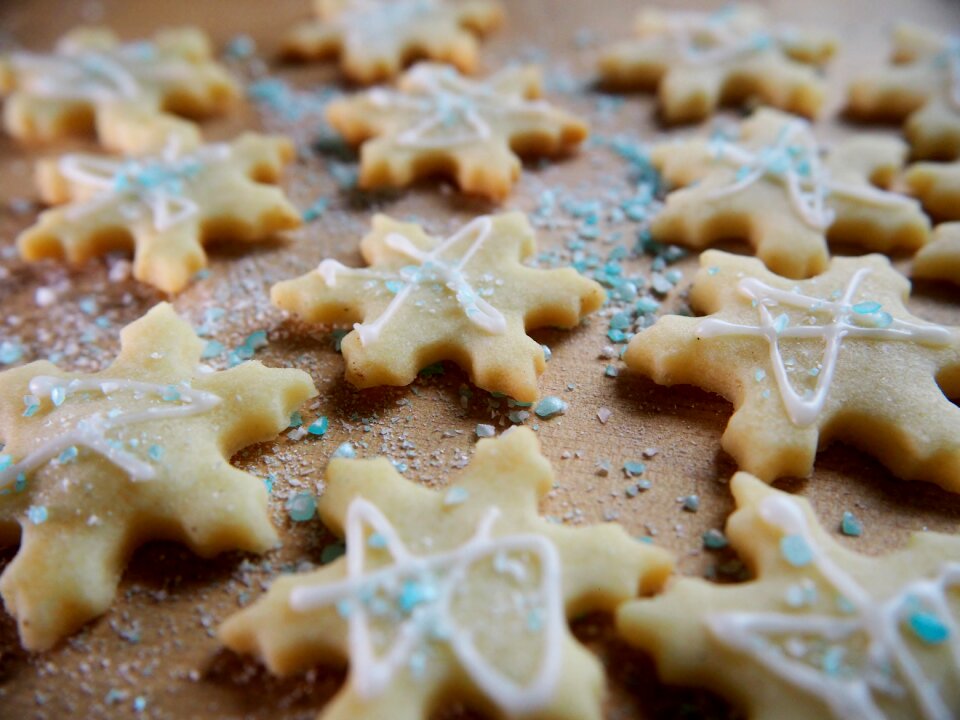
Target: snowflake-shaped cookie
[[937, 185], [130, 94], [461, 594], [467, 298], [94, 465], [940, 260], [439, 121], [165, 206], [922, 87], [775, 187], [696, 61], [375, 39], [836, 356], [821, 631]]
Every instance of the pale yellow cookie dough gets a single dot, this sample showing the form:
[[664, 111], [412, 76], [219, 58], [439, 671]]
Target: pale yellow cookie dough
[[93, 466], [837, 356], [465, 592], [773, 187], [438, 122], [940, 260], [165, 207], [922, 89], [129, 94], [467, 298], [697, 61], [375, 39], [937, 185], [820, 631]]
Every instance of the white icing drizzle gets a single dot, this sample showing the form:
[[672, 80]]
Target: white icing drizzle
[[156, 182], [849, 695], [91, 432], [431, 268], [445, 101], [794, 159], [804, 410], [703, 39], [366, 23], [370, 675]]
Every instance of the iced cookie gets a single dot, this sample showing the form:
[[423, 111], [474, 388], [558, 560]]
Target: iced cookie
[[820, 631], [375, 39], [130, 94], [835, 356], [466, 298], [459, 595], [937, 185], [922, 88], [438, 122], [165, 207], [697, 61], [93, 466], [940, 260], [775, 187]]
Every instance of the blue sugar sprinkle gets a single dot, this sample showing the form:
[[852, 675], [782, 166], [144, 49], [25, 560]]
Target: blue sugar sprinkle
[[296, 419], [866, 308], [485, 431], [68, 455], [10, 352], [301, 507], [170, 394], [394, 286], [611, 371], [691, 503], [58, 395], [268, 482], [759, 375], [632, 468], [319, 426], [535, 620], [212, 349], [547, 353], [456, 496], [5, 462], [345, 450], [88, 306], [400, 466], [155, 452], [795, 550], [781, 323], [415, 593], [646, 306], [713, 270], [316, 210], [714, 540], [928, 627], [550, 406], [139, 703], [850, 526], [376, 541], [833, 659], [37, 514]]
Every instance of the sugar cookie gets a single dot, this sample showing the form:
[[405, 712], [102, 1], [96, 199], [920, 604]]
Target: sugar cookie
[[130, 94], [95, 465], [439, 122], [376, 38], [821, 631], [922, 88], [940, 260], [836, 356], [166, 206], [774, 186], [937, 185], [466, 298], [696, 61], [455, 595]]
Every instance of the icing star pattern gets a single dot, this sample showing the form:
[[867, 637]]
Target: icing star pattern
[[444, 595], [438, 121], [165, 206], [921, 88], [821, 630], [467, 298], [130, 94], [774, 187], [696, 61], [94, 465], [836, 356], [375, 39], [940, 260]]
